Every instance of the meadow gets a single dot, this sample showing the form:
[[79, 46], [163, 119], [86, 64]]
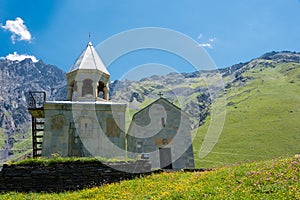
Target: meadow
[[262, 118], [273, 179]]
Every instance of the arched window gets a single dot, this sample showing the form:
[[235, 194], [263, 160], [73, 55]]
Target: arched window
[[74, 86], [87, 88], [74, 92], [101, 90]]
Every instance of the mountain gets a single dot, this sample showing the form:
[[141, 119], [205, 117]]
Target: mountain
[[17, 78], [259, 94], [187, 91]]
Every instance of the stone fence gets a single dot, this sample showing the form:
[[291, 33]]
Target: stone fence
[[58, 177]]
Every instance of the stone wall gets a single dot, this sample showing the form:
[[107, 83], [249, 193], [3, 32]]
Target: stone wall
[[58, 177]]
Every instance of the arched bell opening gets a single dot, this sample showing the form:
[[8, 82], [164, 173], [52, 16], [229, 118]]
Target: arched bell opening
[[102, 90], [87, 88], [74, 90]]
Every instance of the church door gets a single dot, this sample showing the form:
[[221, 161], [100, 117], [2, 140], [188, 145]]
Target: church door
[[165, 158]]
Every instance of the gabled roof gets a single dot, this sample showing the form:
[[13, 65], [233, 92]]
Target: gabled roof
[[163, 100], [89, 59], [159, 100]]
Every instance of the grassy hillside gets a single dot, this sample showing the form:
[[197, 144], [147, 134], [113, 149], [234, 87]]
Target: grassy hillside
[[263, 114], [275, 179]]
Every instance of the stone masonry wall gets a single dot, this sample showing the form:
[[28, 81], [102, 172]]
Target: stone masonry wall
[[60, 177]]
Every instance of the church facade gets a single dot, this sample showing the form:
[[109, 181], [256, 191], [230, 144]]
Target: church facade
[[162, 131]]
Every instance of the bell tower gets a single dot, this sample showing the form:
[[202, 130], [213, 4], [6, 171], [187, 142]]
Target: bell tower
[[88, 78], [87, 123]]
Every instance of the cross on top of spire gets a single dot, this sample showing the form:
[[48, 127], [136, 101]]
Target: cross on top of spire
[[160, 94]]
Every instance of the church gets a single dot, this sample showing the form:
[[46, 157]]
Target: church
[[88, 124]]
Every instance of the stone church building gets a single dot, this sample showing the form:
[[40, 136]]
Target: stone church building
[[162, 131], [88, 124]]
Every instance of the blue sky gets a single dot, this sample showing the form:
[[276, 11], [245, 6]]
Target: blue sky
[[231, 31]]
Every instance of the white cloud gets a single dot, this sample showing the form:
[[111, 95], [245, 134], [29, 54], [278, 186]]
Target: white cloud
[[19, 57], [206, 45], [212, 39], [18, 29], [209, 43]]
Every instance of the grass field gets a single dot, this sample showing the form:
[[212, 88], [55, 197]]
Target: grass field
[[262, 118], [273, 179]]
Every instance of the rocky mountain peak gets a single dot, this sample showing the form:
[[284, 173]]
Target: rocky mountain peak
[[17, 78], [283, 56]]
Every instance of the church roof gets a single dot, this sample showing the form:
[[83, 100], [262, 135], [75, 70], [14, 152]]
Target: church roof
[[89, 59], [165, 101]]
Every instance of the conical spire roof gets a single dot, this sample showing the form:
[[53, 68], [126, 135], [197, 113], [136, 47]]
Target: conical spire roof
[[89, 59]]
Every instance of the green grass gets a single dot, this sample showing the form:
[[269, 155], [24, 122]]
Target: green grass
[[274, 179], [48, 161], [262, 121], [43, 161]]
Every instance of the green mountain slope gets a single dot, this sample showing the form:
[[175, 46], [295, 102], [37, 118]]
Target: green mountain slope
[[262, 114]]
